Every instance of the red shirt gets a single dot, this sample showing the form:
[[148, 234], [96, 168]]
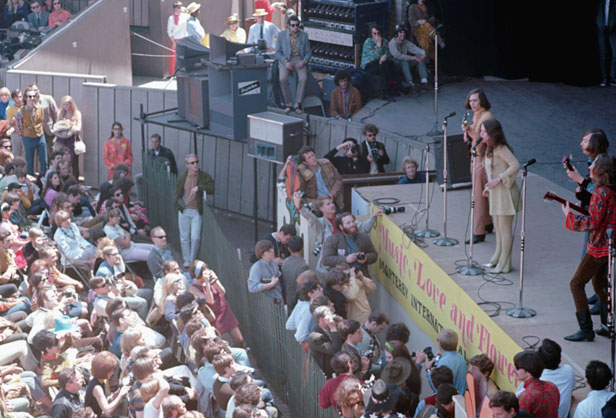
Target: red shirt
[[602, 216], [326, 396], [540, 398]]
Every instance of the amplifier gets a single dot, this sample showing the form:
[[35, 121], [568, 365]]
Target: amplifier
[[274, 136], [337, 29]]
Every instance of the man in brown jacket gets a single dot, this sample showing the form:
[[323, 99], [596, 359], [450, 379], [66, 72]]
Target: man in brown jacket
[[346, 99], [319, 177]]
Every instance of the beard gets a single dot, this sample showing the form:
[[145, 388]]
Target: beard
[[352, 231]]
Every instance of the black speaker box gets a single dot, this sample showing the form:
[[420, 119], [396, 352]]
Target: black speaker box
[[458, 162]]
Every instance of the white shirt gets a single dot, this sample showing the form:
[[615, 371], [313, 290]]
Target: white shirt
[[177, 31], [150, 412], [270, 32], [564, 379], [591, 406]]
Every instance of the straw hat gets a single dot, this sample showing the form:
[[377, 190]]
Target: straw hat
[[259, 12], [192, 7], [233, 18]]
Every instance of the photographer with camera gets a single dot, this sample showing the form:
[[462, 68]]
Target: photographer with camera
[[265, 274], [447, 341], [107, 288], [351, 162], [373, 150], [351, 247], [324, 341]]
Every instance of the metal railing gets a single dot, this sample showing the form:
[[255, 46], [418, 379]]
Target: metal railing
[[291, 373]]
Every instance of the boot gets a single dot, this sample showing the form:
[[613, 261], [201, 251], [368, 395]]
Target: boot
[[594, 309], [585, 333], [603, 313]]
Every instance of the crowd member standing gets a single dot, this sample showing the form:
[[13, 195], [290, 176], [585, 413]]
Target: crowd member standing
[[72, 117], [373, 150], [602, 215], [598, 376], [505, 200], [318, 177], [234, 33], [188, 200], [50, 113], [29, 121], [176, 30], [117, 149], [263, 31], [539, 398], [477, 101], [11, 112], [447, 340]]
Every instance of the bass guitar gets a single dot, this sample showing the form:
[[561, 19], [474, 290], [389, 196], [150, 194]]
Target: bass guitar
[[555, 197]]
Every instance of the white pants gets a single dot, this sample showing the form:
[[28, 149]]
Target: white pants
[[137, 252], [189, 223], [18, 350]]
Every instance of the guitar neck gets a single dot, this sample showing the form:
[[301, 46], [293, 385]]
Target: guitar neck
[[552, 196]]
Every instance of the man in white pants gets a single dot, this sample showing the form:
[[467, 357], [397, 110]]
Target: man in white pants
[[188, 199]]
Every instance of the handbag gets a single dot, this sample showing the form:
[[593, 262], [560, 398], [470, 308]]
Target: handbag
[[80, 146]]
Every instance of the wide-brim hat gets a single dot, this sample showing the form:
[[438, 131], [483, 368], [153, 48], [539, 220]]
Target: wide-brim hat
[[233, 18], [397, 371], [259, 12], [192, 7], [383, 398], [63, 324]]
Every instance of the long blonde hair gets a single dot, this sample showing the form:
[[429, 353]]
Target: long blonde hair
[[130, 339], [74, 112], [167, 292]]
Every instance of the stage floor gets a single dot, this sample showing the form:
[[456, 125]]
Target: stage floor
[[551, 257]]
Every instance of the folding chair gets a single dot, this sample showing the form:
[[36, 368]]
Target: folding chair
[[83, 271]]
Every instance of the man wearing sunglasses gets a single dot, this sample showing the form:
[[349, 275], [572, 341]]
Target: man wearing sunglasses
[[38, 19], [160, 253], [293, 53], [188, 199]]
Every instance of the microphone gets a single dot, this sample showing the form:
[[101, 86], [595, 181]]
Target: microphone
[[449, 115], [476, 144], [529, 163], [609, 233]]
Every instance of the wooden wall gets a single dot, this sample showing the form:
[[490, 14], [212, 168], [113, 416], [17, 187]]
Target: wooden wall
[[227, 161], [138, 11]]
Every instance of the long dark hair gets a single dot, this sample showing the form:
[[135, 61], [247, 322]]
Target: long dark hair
[[114, 125], [604, 168], [48, 184], [483, 99], [496, 135]]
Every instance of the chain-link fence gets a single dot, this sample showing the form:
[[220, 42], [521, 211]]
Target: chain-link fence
[[290, 372]]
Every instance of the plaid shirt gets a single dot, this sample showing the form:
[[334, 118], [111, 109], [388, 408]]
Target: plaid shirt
[[540, 399], [602, 216]]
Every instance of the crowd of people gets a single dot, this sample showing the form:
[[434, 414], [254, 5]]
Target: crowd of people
[[40, 15]]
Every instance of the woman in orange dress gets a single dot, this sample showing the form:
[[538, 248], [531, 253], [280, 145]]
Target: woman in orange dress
[[117, 150]]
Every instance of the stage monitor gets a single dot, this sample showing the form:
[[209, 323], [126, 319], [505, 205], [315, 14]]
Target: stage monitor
[[458, 161], [221, 50], [189, 53]]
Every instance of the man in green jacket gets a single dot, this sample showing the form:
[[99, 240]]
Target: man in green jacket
[[188, 199]]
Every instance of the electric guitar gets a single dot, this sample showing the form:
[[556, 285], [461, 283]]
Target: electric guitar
[[553, 196]]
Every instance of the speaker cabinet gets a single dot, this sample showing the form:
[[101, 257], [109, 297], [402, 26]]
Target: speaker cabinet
[[193, 102], [458, 162]]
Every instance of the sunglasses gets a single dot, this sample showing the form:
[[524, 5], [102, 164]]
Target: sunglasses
[[293, 25], [161, 237], [376, 33], [193, 162], [31, 96], [371, 135], [7, 146]]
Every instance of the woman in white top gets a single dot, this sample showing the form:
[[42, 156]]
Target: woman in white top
[[130, 251], [176, 30], [153, 392]]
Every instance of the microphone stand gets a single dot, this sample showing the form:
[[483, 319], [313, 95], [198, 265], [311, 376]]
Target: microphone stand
[[610, 302], [471, 269], [427, 232], [444, 241], [435, 130], [520, 311]]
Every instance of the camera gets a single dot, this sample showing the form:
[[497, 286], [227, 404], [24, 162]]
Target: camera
[[266, 280], [361, 256], [354, 149], [368, 353], [388, 210], [318, 246], [374, 153], [429, 353]]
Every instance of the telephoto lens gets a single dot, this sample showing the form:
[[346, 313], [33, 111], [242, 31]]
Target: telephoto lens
[[388, 210]]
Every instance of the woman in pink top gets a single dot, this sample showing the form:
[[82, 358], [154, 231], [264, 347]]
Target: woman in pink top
[[58, 16], [117, 149]]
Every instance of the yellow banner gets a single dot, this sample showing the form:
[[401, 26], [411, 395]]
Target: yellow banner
[[434, 301]]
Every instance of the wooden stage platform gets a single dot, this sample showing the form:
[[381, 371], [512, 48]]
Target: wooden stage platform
[[551, 257]]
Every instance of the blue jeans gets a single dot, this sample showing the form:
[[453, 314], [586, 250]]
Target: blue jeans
[[40, 146], [189, 222], [405, 67], [23, 306]]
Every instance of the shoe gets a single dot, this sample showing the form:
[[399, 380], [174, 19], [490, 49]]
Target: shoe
[[476, 239], [489, 228], [406, 84], [594, 310], [603, 331], [603, 83], [498, 270], [585, 333], [593, 299], [489, 265], [613, 82]]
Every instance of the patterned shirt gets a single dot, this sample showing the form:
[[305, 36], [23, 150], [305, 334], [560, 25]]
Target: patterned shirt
[[294, 49], [372, 52], [540, 399], [602, 215]]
